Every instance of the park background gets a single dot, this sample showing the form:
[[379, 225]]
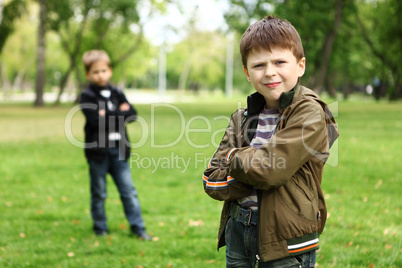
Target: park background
[[179, 64]]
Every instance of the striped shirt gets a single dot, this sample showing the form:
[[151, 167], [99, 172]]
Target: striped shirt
[[266, 127]]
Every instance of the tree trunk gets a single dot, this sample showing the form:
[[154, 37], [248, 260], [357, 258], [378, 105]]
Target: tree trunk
[[326, 54], [130, 50], [17, 84], [65, 76], [184, 76], [5, 83], [330, 86], [393, 92], [348, 88], [63, 83], [80, 84], [64, 79], [40, 75], [73, 54], [1, 11]]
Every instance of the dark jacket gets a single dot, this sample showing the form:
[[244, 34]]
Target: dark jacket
[[98, 128], [287, 172]]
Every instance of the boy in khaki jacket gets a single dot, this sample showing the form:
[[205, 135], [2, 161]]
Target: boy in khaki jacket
[[268, 167]]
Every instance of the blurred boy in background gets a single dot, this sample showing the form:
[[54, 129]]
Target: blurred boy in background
[[107, 110]]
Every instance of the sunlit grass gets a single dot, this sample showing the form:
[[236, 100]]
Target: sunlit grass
[[44, 198]]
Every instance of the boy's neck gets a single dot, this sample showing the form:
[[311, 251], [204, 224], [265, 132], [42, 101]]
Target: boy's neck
[[271, 105], [97, 87]]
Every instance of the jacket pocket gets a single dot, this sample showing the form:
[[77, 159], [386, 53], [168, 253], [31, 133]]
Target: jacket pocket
[[299, 199]]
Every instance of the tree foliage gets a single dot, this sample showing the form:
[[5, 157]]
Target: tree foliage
[[348, 44], [340, 53], [9, 14], [17, 58], [380, 28], [198, 62], [88, 24]]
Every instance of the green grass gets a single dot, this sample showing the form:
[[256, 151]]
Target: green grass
[[44, 194]]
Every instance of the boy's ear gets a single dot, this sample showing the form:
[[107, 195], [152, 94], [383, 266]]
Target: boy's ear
[[302, 66], [246, 73]]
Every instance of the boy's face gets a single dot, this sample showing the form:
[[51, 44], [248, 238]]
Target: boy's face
[[272, 73], [99, 73]]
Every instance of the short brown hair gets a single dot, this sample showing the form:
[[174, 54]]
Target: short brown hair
[[268, 33], [92, 56]]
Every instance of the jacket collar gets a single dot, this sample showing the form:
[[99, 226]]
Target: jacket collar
[[286, 98], [256, 102], [97, 88]]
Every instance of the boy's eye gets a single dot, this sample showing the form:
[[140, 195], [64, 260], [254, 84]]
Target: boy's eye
[[280, 62], [258, 65]]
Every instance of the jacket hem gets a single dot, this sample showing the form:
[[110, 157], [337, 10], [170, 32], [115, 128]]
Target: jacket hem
[[303, 244]]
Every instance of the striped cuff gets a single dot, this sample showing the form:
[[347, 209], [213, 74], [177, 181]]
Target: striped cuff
[[217, 185], [227, 158]]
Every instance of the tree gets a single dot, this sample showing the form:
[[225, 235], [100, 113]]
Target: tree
[[9, 13], [40, 76], [321, 70], [318, 23], [384, 41], [15, 38], [199, 62], [61, 20], [348, 43], [88, 24]]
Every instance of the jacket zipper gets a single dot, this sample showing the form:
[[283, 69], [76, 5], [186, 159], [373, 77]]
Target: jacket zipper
[[242, 125], [259, 193], [243, 121], [259, 196], [257, 256], [257, 261]]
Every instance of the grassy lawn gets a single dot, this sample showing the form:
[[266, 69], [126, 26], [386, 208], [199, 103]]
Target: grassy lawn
[[44, 194]]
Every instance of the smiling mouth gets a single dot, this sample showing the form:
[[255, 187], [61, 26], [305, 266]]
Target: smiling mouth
[[273, 85]]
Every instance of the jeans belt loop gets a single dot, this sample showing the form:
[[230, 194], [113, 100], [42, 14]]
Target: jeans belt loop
[[245, 219], [249, 217]]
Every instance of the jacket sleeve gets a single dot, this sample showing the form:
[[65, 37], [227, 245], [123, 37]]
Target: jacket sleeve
[[90, 108], [128, 116], [288, 150], [218, 184]]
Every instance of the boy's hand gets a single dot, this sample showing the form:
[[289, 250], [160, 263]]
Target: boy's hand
[[124, 107], [102, 112]]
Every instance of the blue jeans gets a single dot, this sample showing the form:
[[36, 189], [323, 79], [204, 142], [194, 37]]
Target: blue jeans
[[242, 248], [121, 174]]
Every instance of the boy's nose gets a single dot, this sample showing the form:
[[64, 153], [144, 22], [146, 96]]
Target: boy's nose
[[269, 71]]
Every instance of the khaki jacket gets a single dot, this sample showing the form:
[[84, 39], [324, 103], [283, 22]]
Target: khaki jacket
[[286, 172]]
